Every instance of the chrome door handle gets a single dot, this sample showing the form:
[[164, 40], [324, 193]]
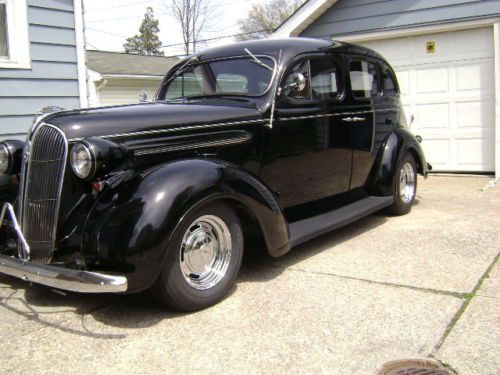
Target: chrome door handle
[[353, 119]]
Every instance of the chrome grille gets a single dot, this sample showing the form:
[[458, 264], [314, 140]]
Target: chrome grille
[[41, 189]]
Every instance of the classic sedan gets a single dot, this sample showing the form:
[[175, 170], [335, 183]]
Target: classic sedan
[[280, 140]]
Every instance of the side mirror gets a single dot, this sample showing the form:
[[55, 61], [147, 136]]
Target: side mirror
[[296, 83], [143, 97]]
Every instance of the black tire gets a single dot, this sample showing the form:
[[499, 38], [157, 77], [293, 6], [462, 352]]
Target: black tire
[[403, 202], [180, 291]]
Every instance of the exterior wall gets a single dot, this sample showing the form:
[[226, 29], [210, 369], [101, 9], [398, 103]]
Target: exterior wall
[[363, 16], [53, 77], [124, 91]]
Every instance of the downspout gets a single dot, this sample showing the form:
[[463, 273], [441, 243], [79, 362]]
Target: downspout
[[80, 53]]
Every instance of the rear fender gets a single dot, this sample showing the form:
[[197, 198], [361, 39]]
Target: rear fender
[[396, 145]]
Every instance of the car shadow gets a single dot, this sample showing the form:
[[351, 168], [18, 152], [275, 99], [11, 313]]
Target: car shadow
[[40, 304], [258, 266]]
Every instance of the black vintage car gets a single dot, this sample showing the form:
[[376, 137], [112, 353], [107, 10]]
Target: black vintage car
[[281, 140]]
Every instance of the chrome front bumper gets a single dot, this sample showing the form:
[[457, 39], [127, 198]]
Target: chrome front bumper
[[53, 276]]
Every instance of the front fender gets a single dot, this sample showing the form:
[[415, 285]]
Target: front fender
[[131, 224], [396, 144]]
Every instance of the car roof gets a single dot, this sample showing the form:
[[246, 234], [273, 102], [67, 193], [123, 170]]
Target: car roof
[[289, 47]]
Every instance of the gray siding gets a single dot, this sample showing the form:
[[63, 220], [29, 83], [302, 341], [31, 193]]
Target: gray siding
[[53, 77], [358, 16]]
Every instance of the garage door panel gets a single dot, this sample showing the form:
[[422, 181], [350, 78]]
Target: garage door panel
[[475, 115], [404, 81], [474, 155], [473, 43], [432, 81], [437, 152], [441, 45], [476, 76], [432, 117]]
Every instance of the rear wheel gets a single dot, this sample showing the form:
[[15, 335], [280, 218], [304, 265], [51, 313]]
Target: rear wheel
[[405, 186], [203, 259]]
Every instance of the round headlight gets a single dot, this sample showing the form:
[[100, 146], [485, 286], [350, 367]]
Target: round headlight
[[5, 158], [82, 161]]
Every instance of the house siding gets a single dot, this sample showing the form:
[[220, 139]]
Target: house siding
[[53, 77], [360, 16]]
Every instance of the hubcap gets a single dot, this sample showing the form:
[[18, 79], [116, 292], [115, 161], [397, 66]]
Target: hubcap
[[205, 252], [407, 182]]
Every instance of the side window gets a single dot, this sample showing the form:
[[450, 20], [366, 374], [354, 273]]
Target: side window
[[363, 77], [4, 40], [293, 88], [324, 79], [389, 82], [187, 84]]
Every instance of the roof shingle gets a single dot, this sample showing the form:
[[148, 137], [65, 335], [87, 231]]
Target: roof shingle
[[129, 64]]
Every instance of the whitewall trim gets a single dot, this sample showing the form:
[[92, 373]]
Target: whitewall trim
[[17, 30], [80, 53]]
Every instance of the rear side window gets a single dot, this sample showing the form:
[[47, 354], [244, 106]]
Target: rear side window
[[363, 77], [324, 79], [389, 82]]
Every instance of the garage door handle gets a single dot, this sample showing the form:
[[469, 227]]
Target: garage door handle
[[353, 119]]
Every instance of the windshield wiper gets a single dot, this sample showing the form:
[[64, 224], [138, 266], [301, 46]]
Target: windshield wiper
[[257, 61], [182, 69]]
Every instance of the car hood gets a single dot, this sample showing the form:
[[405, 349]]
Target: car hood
[[108, 121]]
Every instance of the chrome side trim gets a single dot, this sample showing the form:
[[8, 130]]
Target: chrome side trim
[[62, 278], [190, 146], [333, 115], [174, 130], [24, 250]]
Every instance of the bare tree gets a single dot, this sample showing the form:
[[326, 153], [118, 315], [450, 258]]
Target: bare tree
[[193, 16], [264, 18]]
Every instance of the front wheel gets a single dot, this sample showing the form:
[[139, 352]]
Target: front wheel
[[405, 186], [203, 259]]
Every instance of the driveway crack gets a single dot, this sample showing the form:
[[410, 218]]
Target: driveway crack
[[375, 282], [467, 299]]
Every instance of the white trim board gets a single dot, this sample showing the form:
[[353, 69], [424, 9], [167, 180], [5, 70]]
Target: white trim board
[[309, 12], [496, 46], [417, 30], [17, 31], [80, 54]]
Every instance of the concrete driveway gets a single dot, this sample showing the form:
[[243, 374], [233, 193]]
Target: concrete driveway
[[422, 285]]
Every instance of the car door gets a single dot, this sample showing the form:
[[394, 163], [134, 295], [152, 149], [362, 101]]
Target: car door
[[313, 156], [364, 90]]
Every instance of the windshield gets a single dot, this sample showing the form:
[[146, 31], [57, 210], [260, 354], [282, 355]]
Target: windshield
[[245, 76]]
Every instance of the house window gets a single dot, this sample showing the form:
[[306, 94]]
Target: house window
[[14, 43], [4, 40]]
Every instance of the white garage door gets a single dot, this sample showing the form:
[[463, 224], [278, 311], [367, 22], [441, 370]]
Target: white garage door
[[447, 82]]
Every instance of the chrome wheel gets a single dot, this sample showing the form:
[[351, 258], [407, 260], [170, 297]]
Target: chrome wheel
[[205, 252], [407, 177]]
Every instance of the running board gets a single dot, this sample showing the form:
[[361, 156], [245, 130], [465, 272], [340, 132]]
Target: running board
[[304, 230]]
